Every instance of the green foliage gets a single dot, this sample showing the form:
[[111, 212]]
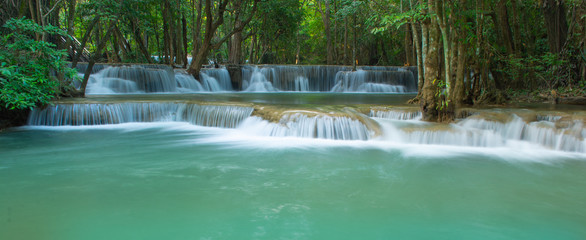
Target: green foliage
[[540, 71], [397, 18], [28, 66], [441, 94]]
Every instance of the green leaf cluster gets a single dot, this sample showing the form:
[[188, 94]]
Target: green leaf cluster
[[28, 68]]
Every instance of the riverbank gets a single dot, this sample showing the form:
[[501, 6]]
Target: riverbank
[[572, 96], [12, 118]]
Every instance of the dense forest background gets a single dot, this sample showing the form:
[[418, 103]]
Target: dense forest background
[[467, 51]]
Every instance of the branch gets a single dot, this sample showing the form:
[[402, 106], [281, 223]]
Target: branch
[[57, 3], [239, 29]]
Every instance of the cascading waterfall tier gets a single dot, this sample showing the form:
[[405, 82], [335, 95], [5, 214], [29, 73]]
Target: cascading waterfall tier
[[116, 113], [375, 81], [147, 78], [211, 80], [545, 132], [396, 114], [311, 125], [128, 79], [132, 79], [485, 131], [484, 128], [328, 78], [219, 75]]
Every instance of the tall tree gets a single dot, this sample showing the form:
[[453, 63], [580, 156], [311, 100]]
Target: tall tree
[[211, 26]]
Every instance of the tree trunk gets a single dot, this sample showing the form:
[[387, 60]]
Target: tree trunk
[[504, 26], [139, 40], [252, 48], [184, 28], [166, 33], [430, 102], [196, 29], [124, 45], [409, 57], [419, 55], [326, 19], [460, 87], [115, 47], [346, 48], [445, 30], [516, 28], [171, 31], [70, 44], [354, 44], [210, 29], [236, 44], [86, 38], [96, 56], [554, 12]]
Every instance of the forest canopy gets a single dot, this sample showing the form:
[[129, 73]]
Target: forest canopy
[[467, 51]]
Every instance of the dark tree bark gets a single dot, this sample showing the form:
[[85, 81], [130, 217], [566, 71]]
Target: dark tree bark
[[85, 39], [236, 44], [346, 48], [409, 51], [504, 28], [554, 12], [96, 56], [139, 40], [419, 57], [184, 31], [431, 101], [69, 43], [330, 52]]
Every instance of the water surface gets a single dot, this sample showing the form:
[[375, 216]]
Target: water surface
[[178, 181]]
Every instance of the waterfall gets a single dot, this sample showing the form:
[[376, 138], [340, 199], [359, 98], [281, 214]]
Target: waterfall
[[116, 113], [212, 116], [476, 131], [396, 115], [258, 82], [303, 126], [561, 134], [108, 85], [381, 88], [285, 77], [132, 79], [210, 84], [326, 78], [375, 81], [124, 79], [455, 137], [544, 133], [186, 83], [221, 76], [301, 84]]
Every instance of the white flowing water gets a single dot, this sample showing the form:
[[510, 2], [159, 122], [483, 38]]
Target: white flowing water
[[258, 83], [131, 79], [116, 113], [374, 81], [201, 167], [396, 115], [289, 166], [187, 83], [382, 125], [301, 84], [303, 126], [123, 79], [335, 78], [219, 76]]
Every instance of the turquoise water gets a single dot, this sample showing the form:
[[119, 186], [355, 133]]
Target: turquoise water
[[178, 181]]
